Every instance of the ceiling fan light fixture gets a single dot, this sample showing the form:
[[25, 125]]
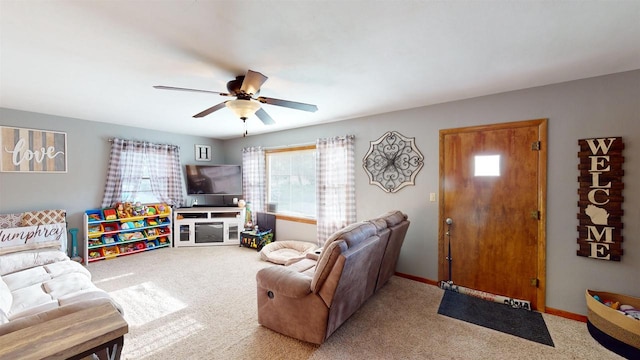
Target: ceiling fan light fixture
[[243, 108]]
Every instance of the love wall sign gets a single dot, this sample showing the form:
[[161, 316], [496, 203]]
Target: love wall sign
[[600, 198], [30, 150]]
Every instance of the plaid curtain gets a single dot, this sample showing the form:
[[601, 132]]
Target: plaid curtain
[[254, 175], [127, 161], [336, 185], [165, 173]]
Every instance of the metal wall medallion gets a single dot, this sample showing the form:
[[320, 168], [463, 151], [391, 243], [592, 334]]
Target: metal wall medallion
[[393, 161]]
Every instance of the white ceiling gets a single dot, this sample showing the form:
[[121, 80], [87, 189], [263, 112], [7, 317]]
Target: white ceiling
[[98, 60]]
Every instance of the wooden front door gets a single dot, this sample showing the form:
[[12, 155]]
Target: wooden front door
[[497, 235]]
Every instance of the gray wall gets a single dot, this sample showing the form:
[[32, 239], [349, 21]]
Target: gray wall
[[82, 187], [596, 107]]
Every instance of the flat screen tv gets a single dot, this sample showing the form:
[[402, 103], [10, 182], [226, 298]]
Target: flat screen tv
[[214, 180]]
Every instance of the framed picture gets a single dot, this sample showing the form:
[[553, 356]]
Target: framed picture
[[32, 150], [203, 153]]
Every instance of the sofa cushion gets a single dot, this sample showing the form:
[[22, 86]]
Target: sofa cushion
[[352, 234], [90, 293], [66, 267], [3, 318], [325, 264], [26, 278], [379, 223], [6, 299], [29, 297], [27, 259], [392, 218], [45, 306], [67, 284]]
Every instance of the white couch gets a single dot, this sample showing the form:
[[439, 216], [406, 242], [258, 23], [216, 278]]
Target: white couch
[[38, 281], [41, 280]]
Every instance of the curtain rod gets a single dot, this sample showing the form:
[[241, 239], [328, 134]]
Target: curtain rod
[[308, 143], [143, 141], [288, 146]]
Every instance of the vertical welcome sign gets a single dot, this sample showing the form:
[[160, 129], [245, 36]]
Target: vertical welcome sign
[[600, 198], [29, 150]]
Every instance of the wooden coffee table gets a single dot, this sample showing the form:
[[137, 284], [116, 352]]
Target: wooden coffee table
[[97, 330]]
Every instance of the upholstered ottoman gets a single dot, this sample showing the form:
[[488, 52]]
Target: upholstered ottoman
[[286, 251]]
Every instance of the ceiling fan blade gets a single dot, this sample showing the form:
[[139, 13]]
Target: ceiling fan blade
[[161, 87], [252, 82], [266, 119], [289, 104], [210, 110]]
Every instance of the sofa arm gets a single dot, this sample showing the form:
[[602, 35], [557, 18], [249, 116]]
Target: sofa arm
[[284, 281], [287, 305]]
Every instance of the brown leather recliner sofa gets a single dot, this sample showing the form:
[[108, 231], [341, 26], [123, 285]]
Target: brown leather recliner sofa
[[310, 299]]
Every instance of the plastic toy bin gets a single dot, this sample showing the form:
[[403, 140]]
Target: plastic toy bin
[[109, 239], [94, 215], [109, 228], [162, 209], [95, 230], [151, 244], [151, 234], [110, 252], [110, 214]]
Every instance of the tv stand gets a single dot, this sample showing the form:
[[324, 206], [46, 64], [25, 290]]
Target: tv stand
[[201, 225], [213, 206]]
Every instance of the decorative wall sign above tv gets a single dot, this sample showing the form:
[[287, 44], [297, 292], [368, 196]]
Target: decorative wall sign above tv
[[393, 161], [203, 153], [600, 198], [30, 150]]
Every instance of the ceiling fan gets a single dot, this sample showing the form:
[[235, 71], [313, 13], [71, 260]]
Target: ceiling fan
[[245, 89]]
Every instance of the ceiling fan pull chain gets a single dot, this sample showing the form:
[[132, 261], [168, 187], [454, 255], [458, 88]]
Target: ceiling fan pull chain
[[244, 121]]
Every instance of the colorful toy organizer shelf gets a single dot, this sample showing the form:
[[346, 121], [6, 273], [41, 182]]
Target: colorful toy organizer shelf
[[126, 229]]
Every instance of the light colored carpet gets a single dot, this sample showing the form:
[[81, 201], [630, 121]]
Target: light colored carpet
[[200, 303]]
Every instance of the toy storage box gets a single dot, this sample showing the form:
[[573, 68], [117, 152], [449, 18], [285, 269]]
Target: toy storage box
[[610, 321], [95, 215], [111, 227], [256, 240]]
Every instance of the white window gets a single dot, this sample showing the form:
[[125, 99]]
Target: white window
[[133, 191], [487, 165], [291, 181]]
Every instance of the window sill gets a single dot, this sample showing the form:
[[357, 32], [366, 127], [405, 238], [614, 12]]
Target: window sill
[[296, 219]]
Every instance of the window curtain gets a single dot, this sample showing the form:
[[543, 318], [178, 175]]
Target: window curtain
[[165, 173], [127, 161], [336, 189], [254, 187]]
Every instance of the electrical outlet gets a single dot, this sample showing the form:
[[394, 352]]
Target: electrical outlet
[[432, 197]]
